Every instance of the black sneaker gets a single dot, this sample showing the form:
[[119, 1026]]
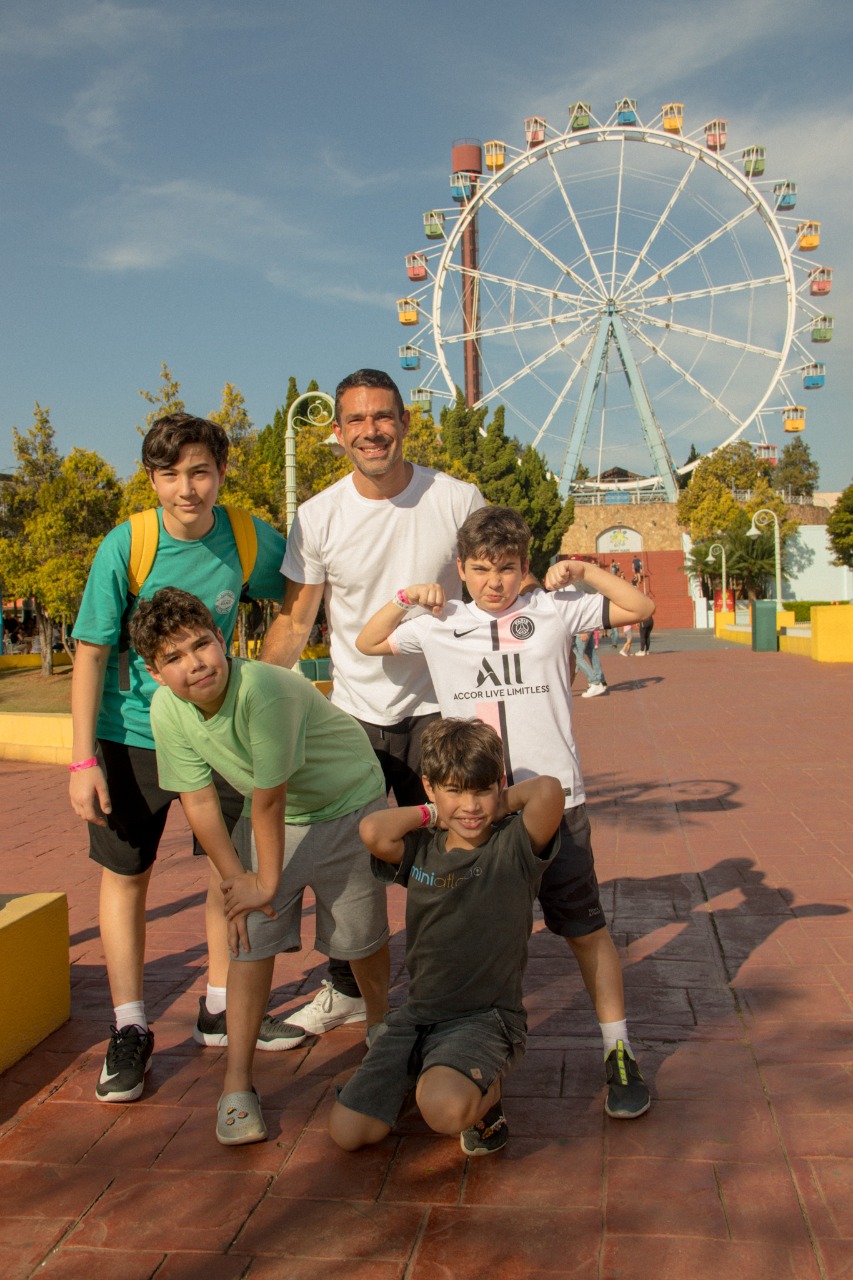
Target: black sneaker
[[487, 1135], [128, 1058], [627, 1092], [210, 1030]]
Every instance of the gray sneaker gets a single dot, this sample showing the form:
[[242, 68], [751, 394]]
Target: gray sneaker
[[328, 1009]]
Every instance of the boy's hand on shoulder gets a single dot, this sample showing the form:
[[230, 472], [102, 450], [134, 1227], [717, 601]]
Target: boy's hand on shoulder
[[429, 595], [564, 573]]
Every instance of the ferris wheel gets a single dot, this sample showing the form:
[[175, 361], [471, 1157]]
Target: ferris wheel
[[625, 291]]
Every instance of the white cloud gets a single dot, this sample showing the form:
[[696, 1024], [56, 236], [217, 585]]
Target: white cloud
[[150, 227], [93, 121], [57, 28], [318, 290]]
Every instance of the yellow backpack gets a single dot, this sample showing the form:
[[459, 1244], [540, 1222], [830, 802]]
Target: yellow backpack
[[144, 539]]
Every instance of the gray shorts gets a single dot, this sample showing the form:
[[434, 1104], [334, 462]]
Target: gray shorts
[[351, 920], [480, 1046]]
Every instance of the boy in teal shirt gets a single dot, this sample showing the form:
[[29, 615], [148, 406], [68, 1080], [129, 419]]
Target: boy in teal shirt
[[309, 775], [113, 784]]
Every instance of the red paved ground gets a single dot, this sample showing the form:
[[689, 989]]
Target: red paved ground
[[721, 786]]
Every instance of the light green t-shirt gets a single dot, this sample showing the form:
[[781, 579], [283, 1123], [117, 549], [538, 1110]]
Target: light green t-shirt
[[273, 727], [209, 567]]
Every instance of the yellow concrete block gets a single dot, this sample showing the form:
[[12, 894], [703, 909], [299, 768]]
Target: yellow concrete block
[[35, 991], [832, 633], [43, 737], [30, 661], [724, 618], [801, 645], [785, 618]]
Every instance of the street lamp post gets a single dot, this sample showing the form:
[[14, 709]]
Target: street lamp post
[[321, 413], [718, 546], [763, 517]]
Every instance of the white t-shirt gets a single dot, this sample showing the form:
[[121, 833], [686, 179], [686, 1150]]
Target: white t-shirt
[[363, 550], [512, 671]]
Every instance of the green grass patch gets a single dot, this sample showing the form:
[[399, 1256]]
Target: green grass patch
[[22, 691]]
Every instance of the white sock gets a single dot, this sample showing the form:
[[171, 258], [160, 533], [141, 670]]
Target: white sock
[[215, 999], [131, 1014], [613, 1031]]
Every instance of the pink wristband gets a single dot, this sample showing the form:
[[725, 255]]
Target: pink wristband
[[401, 600], [429, 816], [83, 764]]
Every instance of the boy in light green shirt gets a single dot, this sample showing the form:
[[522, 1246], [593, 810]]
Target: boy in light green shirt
[[309, 775]]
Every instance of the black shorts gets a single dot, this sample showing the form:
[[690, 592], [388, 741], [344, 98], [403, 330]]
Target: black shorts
[[398, 750], [128, 843], [568, 893]]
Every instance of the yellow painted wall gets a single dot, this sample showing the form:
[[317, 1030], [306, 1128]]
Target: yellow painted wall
[[832, 633], [801, 645], [30, 661], [43, 737], [35, 993]]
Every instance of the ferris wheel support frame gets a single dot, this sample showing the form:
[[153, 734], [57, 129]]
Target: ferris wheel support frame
[[612, 329]]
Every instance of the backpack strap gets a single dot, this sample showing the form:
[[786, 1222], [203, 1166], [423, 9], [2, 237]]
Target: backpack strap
[[246, 538], [144, 538]]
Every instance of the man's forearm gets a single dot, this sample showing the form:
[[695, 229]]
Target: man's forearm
[[284, 642]]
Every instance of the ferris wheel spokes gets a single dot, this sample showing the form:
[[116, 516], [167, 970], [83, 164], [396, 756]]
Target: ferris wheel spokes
[[664, 217], [664, 299], [577, 226], [561, 396], [693, 382], [707, 336], [697, 248], [532, 365]]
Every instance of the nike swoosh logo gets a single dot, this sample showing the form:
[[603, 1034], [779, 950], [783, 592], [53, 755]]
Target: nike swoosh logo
[[459, 634]]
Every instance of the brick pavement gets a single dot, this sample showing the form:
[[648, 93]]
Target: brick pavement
[[721, 788]]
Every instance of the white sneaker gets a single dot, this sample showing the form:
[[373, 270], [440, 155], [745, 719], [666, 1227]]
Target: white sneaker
[[594, 691], [329, 1008]]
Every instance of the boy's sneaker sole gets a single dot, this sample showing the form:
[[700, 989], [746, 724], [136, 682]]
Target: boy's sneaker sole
[[328, 1009], [488, 1135], [274, 1036], [627, 1092], [127, 1060]]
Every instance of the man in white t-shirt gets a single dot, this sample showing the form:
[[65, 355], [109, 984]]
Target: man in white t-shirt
[[351, 546]]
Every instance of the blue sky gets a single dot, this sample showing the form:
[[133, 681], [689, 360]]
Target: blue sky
[[231, 188]]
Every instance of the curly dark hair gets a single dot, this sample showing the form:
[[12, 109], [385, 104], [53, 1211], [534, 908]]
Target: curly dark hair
[[168, 612]]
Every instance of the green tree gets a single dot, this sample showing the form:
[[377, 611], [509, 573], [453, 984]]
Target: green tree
[[709, 503], [797, 472], [59, 511], [248, 482], [840, 528], [137, 494], [166, 399]]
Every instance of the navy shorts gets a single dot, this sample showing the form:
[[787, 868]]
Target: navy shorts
[[568, 893], [480, 1046]]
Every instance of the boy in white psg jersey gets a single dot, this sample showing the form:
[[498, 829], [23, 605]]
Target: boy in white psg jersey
[[505, 660]]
